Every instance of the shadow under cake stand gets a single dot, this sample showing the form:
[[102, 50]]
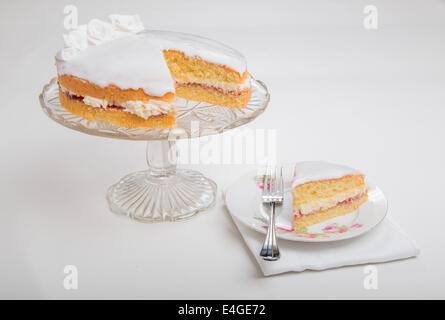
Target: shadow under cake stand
[[163, 192]]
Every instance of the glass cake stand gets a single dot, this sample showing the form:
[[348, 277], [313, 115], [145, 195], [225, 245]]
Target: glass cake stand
[[163, 192]]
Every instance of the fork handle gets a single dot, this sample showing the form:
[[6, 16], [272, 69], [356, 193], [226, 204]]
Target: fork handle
[[270, 251]]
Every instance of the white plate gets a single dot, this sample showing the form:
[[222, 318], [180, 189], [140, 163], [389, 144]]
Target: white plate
[[243, 199]]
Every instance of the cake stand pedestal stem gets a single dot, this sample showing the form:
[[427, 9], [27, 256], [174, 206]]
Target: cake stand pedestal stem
[[162, 157], [163, 192]]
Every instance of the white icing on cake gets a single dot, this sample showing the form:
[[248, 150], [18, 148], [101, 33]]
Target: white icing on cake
[[319, 170], [111, 53], [128, 63]]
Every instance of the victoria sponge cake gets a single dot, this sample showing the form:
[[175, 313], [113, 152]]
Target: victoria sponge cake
[[117, 72]]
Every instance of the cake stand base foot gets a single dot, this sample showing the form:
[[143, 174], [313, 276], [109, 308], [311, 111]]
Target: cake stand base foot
[[147, 198]]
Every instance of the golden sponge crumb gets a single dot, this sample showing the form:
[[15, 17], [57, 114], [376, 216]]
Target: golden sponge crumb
[[114, 116], [194, 69], [301, 222], [310, 192], [111, 92], [213, 96]]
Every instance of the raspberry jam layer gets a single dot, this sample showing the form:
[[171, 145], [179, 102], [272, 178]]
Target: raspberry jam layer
[[237, 92], [346, 201]]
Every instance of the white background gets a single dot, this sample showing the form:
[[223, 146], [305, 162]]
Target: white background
[[370, 99]]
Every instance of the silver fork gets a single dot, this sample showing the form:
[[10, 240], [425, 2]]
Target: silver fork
[[273, 196]]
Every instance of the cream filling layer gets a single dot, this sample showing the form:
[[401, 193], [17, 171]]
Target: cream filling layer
[[226, 87], [328, 203], [138, 108]]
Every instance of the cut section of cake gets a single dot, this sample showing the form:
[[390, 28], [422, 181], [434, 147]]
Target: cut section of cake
[[114, 73], [204, 69], [323, 191]]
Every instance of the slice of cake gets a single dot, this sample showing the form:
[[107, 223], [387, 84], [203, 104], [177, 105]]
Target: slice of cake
[[322, 191], [114, 73]]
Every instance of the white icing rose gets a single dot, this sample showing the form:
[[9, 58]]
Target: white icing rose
[[77, 38], [127, 23], [99, 31], [67, 54]]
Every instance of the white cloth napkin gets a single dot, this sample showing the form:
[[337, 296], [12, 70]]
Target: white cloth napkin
[[386, 242]]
